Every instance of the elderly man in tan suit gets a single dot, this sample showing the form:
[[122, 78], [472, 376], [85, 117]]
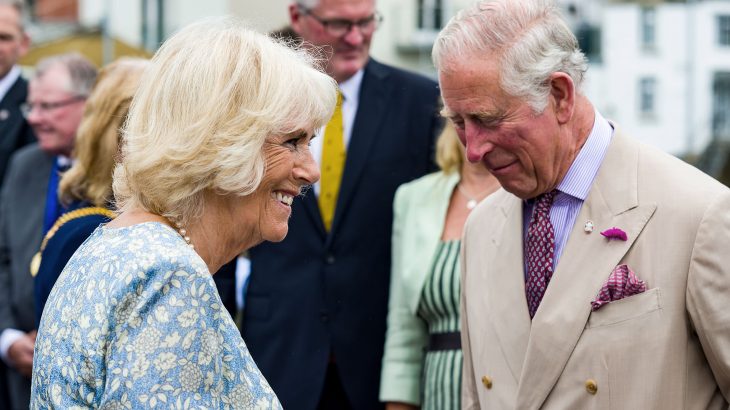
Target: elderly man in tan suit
[[600, 276]]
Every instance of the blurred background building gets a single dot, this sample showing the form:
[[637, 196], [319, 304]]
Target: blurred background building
[[660, 69]]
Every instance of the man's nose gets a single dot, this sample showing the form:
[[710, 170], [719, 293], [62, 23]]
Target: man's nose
[[478, 144], [354, 36]]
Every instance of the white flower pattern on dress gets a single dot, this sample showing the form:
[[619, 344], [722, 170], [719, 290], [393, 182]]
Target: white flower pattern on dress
[[135, 321]]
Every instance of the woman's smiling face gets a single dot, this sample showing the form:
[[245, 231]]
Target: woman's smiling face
[[289, 167]]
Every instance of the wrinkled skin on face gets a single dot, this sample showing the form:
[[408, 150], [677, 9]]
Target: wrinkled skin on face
[[528, 153], [264, 215]]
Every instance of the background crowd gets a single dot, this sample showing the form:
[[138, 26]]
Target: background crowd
[[354, 202]]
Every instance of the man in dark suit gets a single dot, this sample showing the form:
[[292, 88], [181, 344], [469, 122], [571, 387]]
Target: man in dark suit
[[316, 303], [14, 130], [29, 205]]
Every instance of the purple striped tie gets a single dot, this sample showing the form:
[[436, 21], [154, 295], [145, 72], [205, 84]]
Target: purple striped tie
[[539, 251]]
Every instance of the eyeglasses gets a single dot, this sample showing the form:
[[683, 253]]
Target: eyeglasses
[[27, 108], [340, 27]]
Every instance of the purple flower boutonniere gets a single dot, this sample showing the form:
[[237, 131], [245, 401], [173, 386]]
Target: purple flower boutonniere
[[615, 233]]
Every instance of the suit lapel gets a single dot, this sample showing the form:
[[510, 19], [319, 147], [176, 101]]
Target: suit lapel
[[371, 109], [586, 262], [311, 207], [505, 285]]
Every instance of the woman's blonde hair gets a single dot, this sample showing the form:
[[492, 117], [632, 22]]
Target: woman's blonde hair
[[99, 134], [211, 96], [449, 150]]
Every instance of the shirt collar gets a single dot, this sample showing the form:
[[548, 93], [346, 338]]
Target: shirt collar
[[6, 82], [350, 88], [579, 179]]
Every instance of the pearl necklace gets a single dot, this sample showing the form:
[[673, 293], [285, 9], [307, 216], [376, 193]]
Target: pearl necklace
[[183, 232], [472, 201]]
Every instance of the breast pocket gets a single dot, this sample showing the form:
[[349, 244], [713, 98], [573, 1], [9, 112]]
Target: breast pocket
[[626, 309]]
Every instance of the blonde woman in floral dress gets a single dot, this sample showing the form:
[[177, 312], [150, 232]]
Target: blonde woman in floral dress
[[215, 149]]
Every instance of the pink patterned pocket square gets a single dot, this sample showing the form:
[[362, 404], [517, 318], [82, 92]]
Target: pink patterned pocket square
[[621, 283]]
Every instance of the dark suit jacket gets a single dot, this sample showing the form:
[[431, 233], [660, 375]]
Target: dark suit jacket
[[22, 204], [316, 294], [14, 130]]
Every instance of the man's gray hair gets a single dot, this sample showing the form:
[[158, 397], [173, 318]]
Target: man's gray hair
[[308, 4], [81, 71], [529, 37]]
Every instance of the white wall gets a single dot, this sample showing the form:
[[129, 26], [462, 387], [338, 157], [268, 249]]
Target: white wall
[[125, 17], [684, 62], [263, 15]]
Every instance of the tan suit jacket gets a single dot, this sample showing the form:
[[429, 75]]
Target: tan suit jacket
[[667, 348]]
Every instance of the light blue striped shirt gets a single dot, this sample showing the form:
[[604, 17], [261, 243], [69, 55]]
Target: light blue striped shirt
[[574, 188]]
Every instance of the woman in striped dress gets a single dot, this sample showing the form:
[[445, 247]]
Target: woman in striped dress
[[422, 362]]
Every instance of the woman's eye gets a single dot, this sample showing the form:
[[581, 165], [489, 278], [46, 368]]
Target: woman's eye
[[292, 142]]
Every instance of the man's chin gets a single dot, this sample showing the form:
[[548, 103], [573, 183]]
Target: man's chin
[[347, 68]]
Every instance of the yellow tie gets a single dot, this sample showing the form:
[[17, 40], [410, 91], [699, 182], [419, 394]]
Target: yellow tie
[[333, 163]]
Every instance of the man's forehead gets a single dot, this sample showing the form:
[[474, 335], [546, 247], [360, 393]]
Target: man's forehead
[[9, 15], [341, 6], [54, 80]]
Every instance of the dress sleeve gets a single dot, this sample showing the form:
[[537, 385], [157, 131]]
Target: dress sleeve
[[167, 343]]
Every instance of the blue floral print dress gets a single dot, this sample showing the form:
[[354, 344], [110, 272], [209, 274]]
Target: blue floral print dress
[[135, 321]]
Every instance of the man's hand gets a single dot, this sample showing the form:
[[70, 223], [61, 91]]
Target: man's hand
[[400, 406], [20, 354]]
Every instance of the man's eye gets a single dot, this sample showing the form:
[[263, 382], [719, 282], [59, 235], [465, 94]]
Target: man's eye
[[339, 24]]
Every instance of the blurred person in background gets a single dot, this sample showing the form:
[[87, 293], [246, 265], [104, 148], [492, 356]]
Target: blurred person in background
[[86, 188], [14, 129], [423, 360], [29, 204], [14, 42], [327, 282], [215, 148]]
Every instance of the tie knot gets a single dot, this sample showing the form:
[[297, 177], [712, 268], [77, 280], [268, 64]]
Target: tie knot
[[546, 199], [340, 98]]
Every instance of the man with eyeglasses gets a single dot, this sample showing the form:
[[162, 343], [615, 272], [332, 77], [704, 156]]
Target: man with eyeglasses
[[14, 130], [29, 204], [316, 303]]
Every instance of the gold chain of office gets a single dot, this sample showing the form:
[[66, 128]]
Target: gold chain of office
[[35, 263]]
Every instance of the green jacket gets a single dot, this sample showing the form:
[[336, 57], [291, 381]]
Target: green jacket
[[419, 210]]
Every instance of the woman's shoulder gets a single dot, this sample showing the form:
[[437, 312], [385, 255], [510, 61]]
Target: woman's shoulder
[[436, 183], [431, 181], [138, 253], [76, 230]]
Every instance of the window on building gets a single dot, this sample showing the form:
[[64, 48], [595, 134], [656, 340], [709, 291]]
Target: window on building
[[647, 96], [589, 40], [648, 27], [723, 30], [430, 14], [721, 106]]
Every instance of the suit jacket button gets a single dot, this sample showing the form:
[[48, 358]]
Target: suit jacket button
[[591, 386], [330, 259], [487, 382]]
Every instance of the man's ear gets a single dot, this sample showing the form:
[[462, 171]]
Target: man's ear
[[24, 44], [295, 16], [562, 93]]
